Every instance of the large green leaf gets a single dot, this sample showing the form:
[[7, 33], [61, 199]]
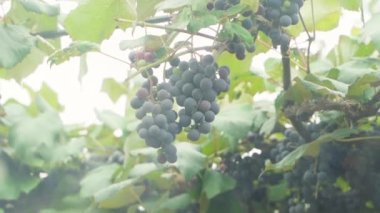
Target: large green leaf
[[215, 183], [372, 31], [325, 17], [146, 8], [349, 72], [235, 120], [119, 194], [95, 20], [33, 146], [15, 178], [351, 4], [190, 159], [16, 43], [111, 119], [39, 6], [309, 149], [177, 202], [97, 179], [25, 67], [363, 89], [226, 202]]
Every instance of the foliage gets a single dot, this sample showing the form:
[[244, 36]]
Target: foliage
[[330, 100]]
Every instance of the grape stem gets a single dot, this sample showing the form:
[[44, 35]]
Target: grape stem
[[286, 77]]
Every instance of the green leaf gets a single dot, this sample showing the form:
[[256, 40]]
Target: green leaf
[[50, 96], [253, 4], [278, 192], [363, 89], [113, 89], [76, 48], [146, 8], [343, 184], [182, 19], [95, 20], [354, 69], [97, 179], [142, 169], [15, 178], [39, 6], [190, 159], [33, 146], [309, 149], [373, 32], [172, 4], [215, 183], [201, 20], [351, 4], [119, 194], [326, 18], [148, 42], [226, 202], [16, 43], [177, 202], [233, 28], [26, 67], [235, 120]]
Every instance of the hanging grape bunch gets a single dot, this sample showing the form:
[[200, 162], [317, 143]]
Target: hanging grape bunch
[[193, 86], [281, 13]]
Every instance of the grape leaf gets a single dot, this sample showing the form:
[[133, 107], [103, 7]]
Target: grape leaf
[[16, 43], [95, 20]]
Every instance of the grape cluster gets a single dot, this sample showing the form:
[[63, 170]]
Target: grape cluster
[[158, 127], [194, 87], [281, 14]]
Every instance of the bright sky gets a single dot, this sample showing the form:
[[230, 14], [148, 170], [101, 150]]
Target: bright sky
[[82, 99]]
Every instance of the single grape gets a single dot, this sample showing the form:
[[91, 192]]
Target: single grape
[[161, 158], [153, 131], [174, 62], [166, 104], [183, 66], [142, 93], [143, 133], [173, 128], [220, 5], [193, 64], [247, 23], [207, 60], [193, 134], [180, 100], [197, 117], [148, 107], [140, 113], [204, 127], [220, 85], [224, 72], [295, 18], [171, 115], [163, 94], [209, 116], [187, 89], [204, 105], [184, 120], [160, 120], [205, 84], [215, 107], [285, 20], [149, 56], [190, 104], [209, 95], [136, 103], [197, 94], [274, 3]]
